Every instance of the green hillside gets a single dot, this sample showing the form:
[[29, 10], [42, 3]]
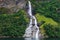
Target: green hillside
[[48, 11], [13, 24]]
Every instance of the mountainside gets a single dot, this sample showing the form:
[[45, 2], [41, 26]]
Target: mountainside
[[14, 5], [15, 23]]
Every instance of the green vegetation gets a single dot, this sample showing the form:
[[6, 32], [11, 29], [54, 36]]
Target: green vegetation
[[13, 24], [49, 12], [52, 31], [48, 9], [46, 19]]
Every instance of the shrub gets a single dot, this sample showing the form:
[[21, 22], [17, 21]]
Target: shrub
[[52, 31], [48, 9], [13, 24]]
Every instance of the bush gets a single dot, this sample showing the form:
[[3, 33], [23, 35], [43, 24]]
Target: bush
[[48, 9], [52, 31], [13, 24]]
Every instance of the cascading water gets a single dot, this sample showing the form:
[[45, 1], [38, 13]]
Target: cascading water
[[37, 28], [32, 31]]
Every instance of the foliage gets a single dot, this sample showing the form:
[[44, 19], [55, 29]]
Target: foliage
[[47, 8], [47, 20], [48, 11], [13, 24], [52, 31]]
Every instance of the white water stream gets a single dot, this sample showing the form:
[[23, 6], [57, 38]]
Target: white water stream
[[32, 30]]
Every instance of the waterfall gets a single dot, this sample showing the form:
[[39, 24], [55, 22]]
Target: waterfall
[[32, 30], [30, 9], [37, 32]]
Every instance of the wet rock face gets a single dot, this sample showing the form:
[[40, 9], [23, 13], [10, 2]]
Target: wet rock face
[[14, 5]]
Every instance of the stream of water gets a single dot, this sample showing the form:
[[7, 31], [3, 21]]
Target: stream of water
[[32, 31]]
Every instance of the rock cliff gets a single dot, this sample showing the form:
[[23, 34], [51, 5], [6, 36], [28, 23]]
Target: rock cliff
[[13, 5]]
